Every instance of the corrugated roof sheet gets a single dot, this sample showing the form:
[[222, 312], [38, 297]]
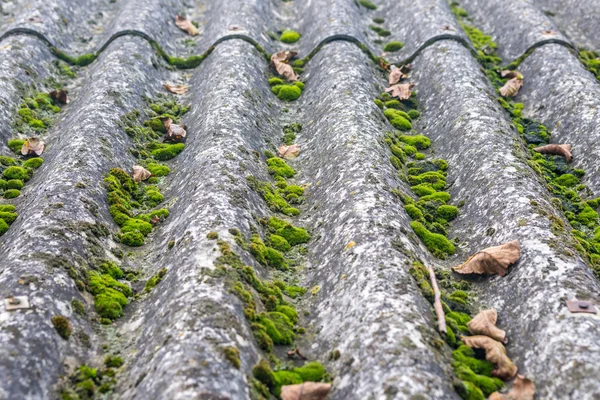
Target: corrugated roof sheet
[[361, 300]]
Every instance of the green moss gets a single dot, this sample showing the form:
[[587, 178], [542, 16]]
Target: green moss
[[289, 92], [378, 103], [278, 326], [440, 196], [367, 4], [155, 280], [466, 356], [232, 354], [437, 244], [8, 216], [133, 239], [135, 225], [158, 169], [487, 384], [447, 212], [167, 151], [113, 361], [276, 81], [212, 235], [278, 167], [265, 255], [15, 172], [262, 371], [294, 291], [393, 46], [11, 193], [423, 189], [78, 307], [289, 36], [414, 212], [16, 144], [468, 391], [419, 141], [299, 84], [293, 235], [436, 179], [62, 326], [414, 114], [33, 163], [279, 243], [14, 184], [7, 161]]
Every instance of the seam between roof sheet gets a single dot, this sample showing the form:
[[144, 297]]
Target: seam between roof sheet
[[195, 60]]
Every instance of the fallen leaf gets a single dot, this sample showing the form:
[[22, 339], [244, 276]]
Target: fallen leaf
[[495, 352], [177, 89], [484, 323], [60, 96], [401, 91], [33, 146], [493, 260], [395, 75], [186, 25], [507, 73], [295, 352], [383, 63], [556, 149], [549, 32], [512, 86], [350, 245], [140, 173], [175, 132], [155, 220], [305, 391], [523, 389], [280, 60], [35, 20], [447, 28], [288, 152], [235, 28]]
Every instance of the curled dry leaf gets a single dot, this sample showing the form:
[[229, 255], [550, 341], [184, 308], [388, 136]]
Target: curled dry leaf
[[493, 260], [495, 352], [33, 146], [556, 149], [177, 89], [383, 63], [507, 73], [60, 96], [288, 152], [279, 61], [155, 220], [401, 91], [523, 389], [140, 173], [186, 25], [512, 86], [350, 245], [395, 75], [305, 391], [484, 323], [175, 133]]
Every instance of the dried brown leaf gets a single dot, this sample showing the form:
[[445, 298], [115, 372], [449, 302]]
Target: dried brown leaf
[[511, 87], [523, 389], [155, 220], [36, 20], [177, 89], [305, 391], [60, 96], [279, 61], [175, 132], [235, 28], [507, 73], [395, 75], [401, 91], [288, 152], [186, 25], [556, 149], [493, 260], [549, 32], [383, 63], [495, 352], [446, 28], [484, 323], [33, 146], [140, 173], [350, 245]]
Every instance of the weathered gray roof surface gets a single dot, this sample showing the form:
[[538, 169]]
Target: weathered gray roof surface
[[366, 304]]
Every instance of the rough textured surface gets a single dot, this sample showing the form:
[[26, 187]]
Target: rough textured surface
[[363, 301], [579, 20]]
